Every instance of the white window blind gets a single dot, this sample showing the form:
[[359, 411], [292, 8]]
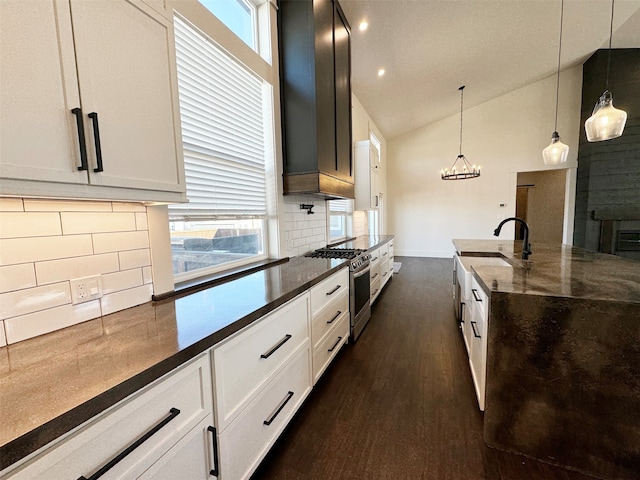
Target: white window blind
[[223, 110], [341, 205]]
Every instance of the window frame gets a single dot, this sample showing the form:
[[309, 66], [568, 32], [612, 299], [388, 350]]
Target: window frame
[[257, 62], [346, 214]]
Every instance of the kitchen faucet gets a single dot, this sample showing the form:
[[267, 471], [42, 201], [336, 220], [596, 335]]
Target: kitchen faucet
[[526, 247]]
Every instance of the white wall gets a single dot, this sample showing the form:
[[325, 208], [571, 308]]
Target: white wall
[[505, 135]]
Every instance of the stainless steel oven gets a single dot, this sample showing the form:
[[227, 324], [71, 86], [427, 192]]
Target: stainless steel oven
[[360, 292], [359, 284]]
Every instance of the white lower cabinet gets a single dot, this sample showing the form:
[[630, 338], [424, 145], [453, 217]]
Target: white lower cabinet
[[476, 325], [171, 407], [191, 458], [329, 346], [247, 440]]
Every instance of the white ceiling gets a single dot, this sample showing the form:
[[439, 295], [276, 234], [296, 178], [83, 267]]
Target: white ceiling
[[429, 48]]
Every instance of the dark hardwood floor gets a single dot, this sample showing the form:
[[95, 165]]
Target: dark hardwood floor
[[400, 403]]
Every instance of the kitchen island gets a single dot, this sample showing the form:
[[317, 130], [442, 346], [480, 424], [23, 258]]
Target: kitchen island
[[563, 356]]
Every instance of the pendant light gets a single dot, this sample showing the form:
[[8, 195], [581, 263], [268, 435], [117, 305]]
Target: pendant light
[[557, 152], [468, 170], [606, 122]]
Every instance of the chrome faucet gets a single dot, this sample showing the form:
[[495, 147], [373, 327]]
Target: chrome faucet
[[526, 246]]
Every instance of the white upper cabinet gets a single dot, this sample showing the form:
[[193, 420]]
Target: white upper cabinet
[[89, 101], [367, 165]]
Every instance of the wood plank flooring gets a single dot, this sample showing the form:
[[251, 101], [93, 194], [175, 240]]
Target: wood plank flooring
[[400, 403]]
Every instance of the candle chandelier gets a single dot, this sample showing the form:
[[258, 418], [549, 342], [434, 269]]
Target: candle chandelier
[[462, 170]]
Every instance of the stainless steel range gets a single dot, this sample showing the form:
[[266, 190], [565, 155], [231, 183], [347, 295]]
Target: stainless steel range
[[359, 284]]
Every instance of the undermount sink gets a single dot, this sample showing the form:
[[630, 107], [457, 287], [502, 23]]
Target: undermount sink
[[467, 262]]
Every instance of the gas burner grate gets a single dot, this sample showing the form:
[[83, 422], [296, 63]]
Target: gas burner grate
[[346, 253]]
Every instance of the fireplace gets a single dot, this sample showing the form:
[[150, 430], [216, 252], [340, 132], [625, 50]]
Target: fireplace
[[619, 232]]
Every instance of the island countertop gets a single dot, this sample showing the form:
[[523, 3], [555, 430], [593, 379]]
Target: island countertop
[[555, 270], [562, 355]]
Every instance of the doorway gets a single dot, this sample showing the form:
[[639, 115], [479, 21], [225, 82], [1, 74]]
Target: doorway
[[540, 201]]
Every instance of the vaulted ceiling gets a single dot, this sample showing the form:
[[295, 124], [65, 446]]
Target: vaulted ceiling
[[429, 48]]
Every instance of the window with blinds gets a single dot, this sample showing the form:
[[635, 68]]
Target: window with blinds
[[225, 113]]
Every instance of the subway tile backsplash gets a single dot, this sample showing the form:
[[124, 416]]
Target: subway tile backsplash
[[304, 232], [46, 243]]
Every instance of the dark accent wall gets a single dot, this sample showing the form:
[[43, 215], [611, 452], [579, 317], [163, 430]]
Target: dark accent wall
[[608, 179]]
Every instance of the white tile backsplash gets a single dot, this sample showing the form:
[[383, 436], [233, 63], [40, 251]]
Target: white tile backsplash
[[34, 299], [39, 323], [77, 267], [3, 338], [81, 238], [95, 222], [37, 205], [125, 299], [304, 232], [115, 282], [29, 224], [16, 277], [134, 258], [115, 242], [34, 249]]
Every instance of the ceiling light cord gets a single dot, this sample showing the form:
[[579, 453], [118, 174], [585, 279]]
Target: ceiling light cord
[[461, 96], [555, 125], [606, 85]]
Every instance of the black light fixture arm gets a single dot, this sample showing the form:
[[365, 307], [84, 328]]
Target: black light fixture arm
[[461, 103], [555, 124], [606, 85]]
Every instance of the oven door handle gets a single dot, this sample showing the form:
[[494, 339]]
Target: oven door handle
[[362, 272]]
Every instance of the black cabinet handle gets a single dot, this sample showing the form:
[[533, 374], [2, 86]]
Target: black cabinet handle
[[96, 139], [215, 471], [475, 333], [279, 409], [475, 295], [334, 317], [173, 413], [375, 292], [276, 346], [385, 273], [372, 278], [334, 290], [385, 253], [461, 312], [335, 345], [81, 140], [374, 259]]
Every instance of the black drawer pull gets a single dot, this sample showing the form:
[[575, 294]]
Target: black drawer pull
[[96, 140], [335, 345], [475, 333], [385, 273], [334, 290], [385, 253], [279, 409], [286, 338], [173, 413], [373, 294], [215, 471], [475, 295], [461, 312], [81, 140], [372, 278], [374, 259], [334, 317]]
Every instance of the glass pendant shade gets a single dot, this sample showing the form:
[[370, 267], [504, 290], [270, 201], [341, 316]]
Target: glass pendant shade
[[606, 121], [557, 152]]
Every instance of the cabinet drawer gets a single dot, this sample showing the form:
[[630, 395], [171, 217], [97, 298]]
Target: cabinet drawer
[[330, 345], [390, 249], [97, 442], [384, 252], [375, 289], [327, 317], [478, 297], [243, 364], [247, 440], [375, 257], [384, 272], [374, 273], [328, 289]]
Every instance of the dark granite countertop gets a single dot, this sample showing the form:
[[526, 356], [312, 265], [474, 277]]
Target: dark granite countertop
[[555, 270], [53, 383]]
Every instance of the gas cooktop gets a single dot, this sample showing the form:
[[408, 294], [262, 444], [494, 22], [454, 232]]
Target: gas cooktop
[[335, 252]]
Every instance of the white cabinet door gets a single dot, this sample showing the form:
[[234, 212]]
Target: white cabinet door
[[38, 90], [191, 458], [111, 62], [126, 73]]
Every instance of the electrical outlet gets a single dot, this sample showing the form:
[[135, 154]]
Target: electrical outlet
[[86, 289]]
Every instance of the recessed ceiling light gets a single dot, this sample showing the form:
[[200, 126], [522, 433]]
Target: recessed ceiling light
[[381, 72], [363, 25]]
